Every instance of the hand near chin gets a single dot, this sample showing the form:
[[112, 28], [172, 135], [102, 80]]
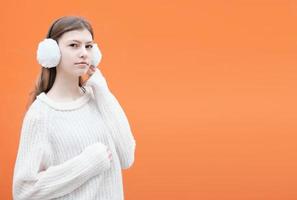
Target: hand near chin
[[91, 70], [95, 78], [88, 74]]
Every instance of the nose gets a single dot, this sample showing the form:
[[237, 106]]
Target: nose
[[83, 52]]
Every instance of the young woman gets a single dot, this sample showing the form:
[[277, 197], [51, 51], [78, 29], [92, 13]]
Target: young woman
[[75, 137]]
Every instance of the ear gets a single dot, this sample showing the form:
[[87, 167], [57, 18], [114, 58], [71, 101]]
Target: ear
[[48, 53], [96, 55]]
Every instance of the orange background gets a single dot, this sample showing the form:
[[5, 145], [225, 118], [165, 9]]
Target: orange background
[[209, 88]]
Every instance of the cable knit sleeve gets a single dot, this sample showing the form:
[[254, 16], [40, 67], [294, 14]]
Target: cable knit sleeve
[[34, 175], [114, 116]]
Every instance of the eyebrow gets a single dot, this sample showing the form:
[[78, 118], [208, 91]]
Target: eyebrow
[[80, 41]]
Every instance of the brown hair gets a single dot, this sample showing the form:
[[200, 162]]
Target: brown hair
[[47, 76]]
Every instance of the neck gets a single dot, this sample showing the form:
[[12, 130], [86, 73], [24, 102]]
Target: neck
[[65, 87]]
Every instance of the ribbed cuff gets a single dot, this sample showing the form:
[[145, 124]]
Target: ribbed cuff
[[97, 154], [97, 80]]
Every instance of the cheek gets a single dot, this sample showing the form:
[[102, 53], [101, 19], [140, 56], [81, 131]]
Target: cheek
[[66, 56], [90, 55]]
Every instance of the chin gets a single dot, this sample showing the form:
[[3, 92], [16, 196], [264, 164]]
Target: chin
[[81, 72]]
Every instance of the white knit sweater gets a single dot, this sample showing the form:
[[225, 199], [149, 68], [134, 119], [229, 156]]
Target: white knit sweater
[[62, 151]]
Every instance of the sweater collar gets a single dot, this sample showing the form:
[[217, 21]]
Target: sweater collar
[[70, 105]]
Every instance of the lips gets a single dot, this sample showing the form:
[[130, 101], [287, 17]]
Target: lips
[[82, 63]]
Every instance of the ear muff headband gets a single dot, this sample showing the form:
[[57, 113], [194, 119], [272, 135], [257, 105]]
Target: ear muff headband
[[49, 33], [49, 55]]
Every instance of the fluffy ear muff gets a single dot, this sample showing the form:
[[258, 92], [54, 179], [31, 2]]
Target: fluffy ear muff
[[48, 53], [96, 55]]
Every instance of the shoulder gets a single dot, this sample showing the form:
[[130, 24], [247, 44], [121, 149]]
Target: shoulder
[[35, 112]]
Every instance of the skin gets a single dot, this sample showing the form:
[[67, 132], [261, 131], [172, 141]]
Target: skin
[[65, 87]]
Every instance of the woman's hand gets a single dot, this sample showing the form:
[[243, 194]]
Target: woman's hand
[[88, 75], [95, 78], [91, 70]]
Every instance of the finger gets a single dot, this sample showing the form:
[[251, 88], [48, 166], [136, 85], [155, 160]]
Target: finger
[[89, 72], [93, 68]]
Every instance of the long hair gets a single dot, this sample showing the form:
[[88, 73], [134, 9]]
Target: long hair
[[47, 76]]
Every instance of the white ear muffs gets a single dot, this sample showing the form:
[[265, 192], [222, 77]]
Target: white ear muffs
[[49, 55], [96, 55]]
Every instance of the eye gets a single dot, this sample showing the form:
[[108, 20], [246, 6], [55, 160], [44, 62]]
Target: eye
[[89, 46], [73, 45]]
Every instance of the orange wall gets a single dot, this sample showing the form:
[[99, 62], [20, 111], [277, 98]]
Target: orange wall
[[209, 88]]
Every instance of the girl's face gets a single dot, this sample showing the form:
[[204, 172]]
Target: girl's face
[[75, 47]]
